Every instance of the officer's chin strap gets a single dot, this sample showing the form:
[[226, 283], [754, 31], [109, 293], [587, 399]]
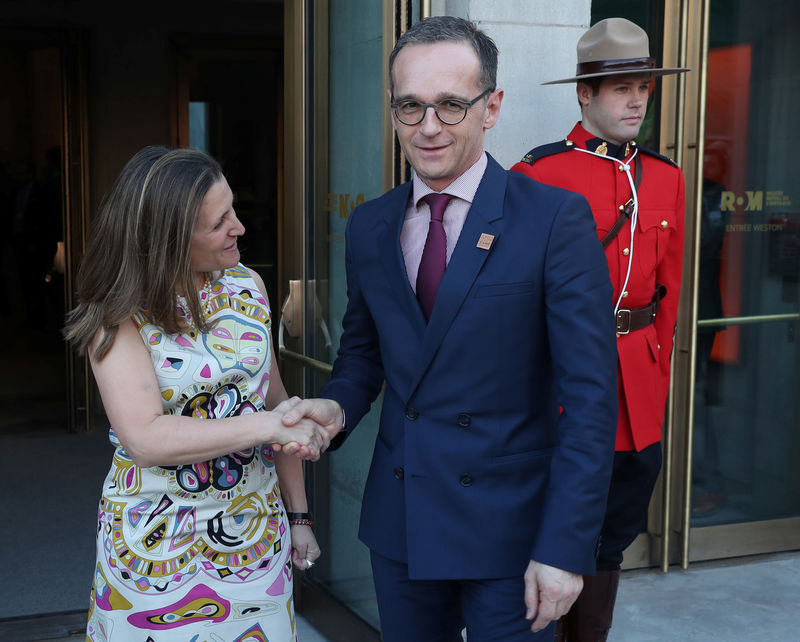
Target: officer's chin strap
[[626, 167]]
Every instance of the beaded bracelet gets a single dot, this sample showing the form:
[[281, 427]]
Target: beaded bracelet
[[301, 522]]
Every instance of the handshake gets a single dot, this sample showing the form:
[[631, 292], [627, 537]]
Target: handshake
[[305, 427]]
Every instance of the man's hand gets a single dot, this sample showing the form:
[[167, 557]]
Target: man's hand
[[325, 412], [549, 593], [306, 439]]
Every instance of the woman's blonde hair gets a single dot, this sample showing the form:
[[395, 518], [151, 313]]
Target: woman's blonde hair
[[139, 251]]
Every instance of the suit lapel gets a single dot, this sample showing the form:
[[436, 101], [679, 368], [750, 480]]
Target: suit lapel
[[392, 258], [466, 262]]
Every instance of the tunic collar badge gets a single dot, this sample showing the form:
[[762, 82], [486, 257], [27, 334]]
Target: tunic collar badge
[[604, 148]]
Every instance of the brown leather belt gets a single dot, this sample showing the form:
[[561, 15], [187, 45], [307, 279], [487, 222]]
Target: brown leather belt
[[631, 320]]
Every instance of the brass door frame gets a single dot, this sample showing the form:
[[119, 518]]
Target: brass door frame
[[81, 397], [296, 105], [304, 189], [300, 158], [697, 28], [657, 546], [295, 196], [397, 18], [683, 125], [304, 178]]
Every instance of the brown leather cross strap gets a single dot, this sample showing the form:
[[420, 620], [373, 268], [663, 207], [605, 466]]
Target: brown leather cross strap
[[627, 209], [630, 320]]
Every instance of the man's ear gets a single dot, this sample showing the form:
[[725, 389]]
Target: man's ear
[[585, 93], [391, 111], [493, 109]]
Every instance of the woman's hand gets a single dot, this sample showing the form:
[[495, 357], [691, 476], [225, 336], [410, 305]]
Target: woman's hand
[[305, 439], [325, 412], [305, 550]]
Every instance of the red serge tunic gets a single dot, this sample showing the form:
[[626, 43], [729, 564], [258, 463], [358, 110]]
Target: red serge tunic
[[657, 258]]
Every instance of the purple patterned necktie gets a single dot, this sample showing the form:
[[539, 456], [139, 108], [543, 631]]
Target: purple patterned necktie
[[434, 256]]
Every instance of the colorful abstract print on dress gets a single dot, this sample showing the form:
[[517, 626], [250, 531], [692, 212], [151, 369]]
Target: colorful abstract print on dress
[[200, 551]]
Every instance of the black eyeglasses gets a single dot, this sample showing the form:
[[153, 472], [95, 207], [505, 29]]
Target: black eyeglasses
[[450, 111]]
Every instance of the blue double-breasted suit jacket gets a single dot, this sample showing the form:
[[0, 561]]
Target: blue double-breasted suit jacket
[[497, 429]]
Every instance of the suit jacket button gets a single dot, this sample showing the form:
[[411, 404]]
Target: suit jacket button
[[465, 480], [464, 420], [399, 473], [412, 413]]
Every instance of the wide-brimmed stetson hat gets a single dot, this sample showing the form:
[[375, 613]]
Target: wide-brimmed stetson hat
[[613, 47]]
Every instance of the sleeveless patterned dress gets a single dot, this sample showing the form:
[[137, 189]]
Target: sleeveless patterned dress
[[202, 552]]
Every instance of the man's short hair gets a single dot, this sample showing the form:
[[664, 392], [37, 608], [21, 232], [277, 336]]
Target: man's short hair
[[451, 29], [594, 84]]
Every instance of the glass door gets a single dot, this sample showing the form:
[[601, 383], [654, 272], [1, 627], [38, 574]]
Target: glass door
[[222, 112], [650, 16], [737, 416], [32, 249], [746, 442], [44, 203], [338, 155], [47, 448], [347, 173]]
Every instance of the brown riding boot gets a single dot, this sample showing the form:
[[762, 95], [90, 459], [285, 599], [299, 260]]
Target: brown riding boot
[[589, 619]]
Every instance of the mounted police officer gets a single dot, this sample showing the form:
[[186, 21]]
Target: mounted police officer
[[637, 199]]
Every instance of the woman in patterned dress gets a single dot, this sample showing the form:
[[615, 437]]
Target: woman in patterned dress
[[204, 510]]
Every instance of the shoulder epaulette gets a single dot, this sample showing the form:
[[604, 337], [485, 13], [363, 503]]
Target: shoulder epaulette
[[547, 150], [655, 154]]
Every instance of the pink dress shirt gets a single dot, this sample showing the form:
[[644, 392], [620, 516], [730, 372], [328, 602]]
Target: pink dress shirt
[[418, 216]]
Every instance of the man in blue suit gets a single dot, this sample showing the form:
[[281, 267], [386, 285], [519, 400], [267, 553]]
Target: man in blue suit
[[487, 314]]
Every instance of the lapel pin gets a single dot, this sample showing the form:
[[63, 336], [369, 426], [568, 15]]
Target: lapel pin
[[485, 241]]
